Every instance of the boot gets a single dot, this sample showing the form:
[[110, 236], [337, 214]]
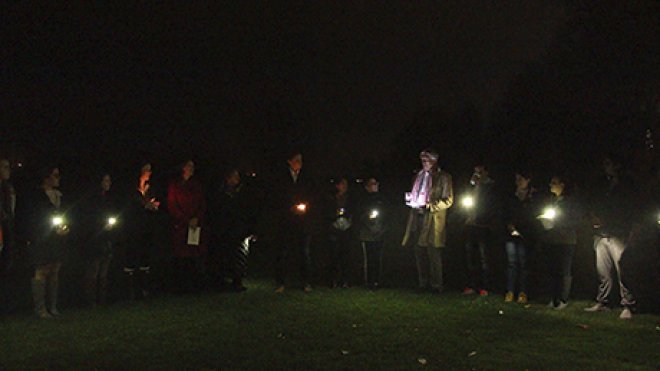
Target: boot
[[52, 287], [39, 297]]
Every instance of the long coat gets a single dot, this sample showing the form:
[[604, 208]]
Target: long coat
[[434, 231], [185, 200]]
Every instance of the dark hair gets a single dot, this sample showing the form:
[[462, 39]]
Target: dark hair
[[525, 173], [293, 153]]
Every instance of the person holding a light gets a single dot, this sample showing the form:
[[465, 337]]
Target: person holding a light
[[371, 232], [480, 205], [560, 221], [339, 219], [102, 231], [431, 195], [522, 229], [47, 231]]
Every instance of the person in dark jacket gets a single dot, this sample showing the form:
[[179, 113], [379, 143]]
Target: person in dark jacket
[[233, 220], [372, 226], [186, 205], [522, 230], [47, 231], [338, 216], [291, 199], [7, 217], [102, 213], [560, 220], [142, 224], [481, 208], [613, 213]]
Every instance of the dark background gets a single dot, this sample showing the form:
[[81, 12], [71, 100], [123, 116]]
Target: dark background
[[359, 87]]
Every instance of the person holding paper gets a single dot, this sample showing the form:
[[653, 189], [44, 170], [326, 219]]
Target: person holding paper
[[186, 205]]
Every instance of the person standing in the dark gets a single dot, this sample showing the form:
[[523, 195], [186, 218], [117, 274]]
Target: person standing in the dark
[[186, 205], [292, 206], [560, 220], [338, 216], [613, 212], [102, 214], [481, 207], [522, 230], [142, 224], [7, 232], [233, 221], [47, 230], [372, 226]]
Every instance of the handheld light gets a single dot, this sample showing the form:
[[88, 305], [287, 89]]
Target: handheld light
[[341, 211], [549, 213], [57, 221], [301, 208], [374, 214], [467, 202], [112, 221]]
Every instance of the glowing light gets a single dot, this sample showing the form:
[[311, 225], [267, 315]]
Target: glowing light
[[112, 221], [58, 221], [467, 202], [549, 213], [374, 214], [301, 208], [515, 233], [341, 211]]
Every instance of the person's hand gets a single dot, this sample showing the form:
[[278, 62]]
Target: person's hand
[[62, 230], [193, 223], [153, 204], [510, 227]]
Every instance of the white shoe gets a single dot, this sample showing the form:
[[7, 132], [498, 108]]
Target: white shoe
[[562, 305], [598, 307], [626, 313]]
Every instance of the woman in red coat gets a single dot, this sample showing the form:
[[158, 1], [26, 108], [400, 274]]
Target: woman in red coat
[[187, 207]]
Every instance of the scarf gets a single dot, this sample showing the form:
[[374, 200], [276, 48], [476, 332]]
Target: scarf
[[422, 188]]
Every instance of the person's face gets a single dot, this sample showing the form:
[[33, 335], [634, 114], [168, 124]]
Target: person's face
[[522, 182], [372, 185], [428, 163], [556, 186], [145, 172], [188, 170], [233, 179], [480, 171], [296, 162], [53, 179], [5, 170], [106, 183], [342, 186]]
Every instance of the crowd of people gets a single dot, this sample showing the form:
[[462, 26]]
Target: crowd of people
[[210, 237]]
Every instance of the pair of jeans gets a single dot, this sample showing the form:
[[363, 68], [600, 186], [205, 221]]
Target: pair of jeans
[[561, 263], [516, 271], [608, 255]]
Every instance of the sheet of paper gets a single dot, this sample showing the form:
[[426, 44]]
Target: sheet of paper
[[193, 236]]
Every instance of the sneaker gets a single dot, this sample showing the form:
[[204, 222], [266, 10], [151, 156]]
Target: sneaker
[[522, 298], [626, 313], [562, 305], [468, 291], [508, 298], [483, 292], [598, 307], [307, 288], [279, 290]]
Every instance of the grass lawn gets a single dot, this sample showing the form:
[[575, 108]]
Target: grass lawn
[[330, 329]]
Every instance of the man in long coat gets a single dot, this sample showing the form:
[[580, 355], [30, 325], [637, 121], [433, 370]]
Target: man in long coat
[[429, 199]]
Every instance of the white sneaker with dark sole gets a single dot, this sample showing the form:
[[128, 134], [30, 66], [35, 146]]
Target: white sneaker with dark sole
[[598, 307], [626, 313]]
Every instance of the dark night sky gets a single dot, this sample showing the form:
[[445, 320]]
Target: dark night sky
[[340, 76]]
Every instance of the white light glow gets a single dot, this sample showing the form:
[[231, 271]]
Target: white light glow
[[467, 202], [57, 221], [374, 214]]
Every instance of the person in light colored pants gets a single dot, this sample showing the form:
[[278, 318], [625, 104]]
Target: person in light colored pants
[[608, 255]]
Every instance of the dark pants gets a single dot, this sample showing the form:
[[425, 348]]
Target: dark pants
[[561, 263], [372, 252], [298, 244], [235, 259], [516, 254], [476, 257], [189, 273], [96, 279], [340, 247]]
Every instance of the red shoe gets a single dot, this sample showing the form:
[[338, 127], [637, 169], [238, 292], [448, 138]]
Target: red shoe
[[468, 291], [483, 292]]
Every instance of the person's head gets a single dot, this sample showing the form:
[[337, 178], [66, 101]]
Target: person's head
[[295, 161], [371, 185], [557, 185], [5, 169], [233, 178], [429, 158], [106, 182], [188, 169], [480, 172], [523, 179], [145, 172], [50, 177], [341, 185]]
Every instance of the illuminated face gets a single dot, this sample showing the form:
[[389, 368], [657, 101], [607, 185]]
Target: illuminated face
[[522, 182], [5, 170], [296, 162], [188, 170], [233, 179], [428, 163], [557, 186], [106, 183], [342, 186], [54, 178], [372, 185], [145, 172]]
